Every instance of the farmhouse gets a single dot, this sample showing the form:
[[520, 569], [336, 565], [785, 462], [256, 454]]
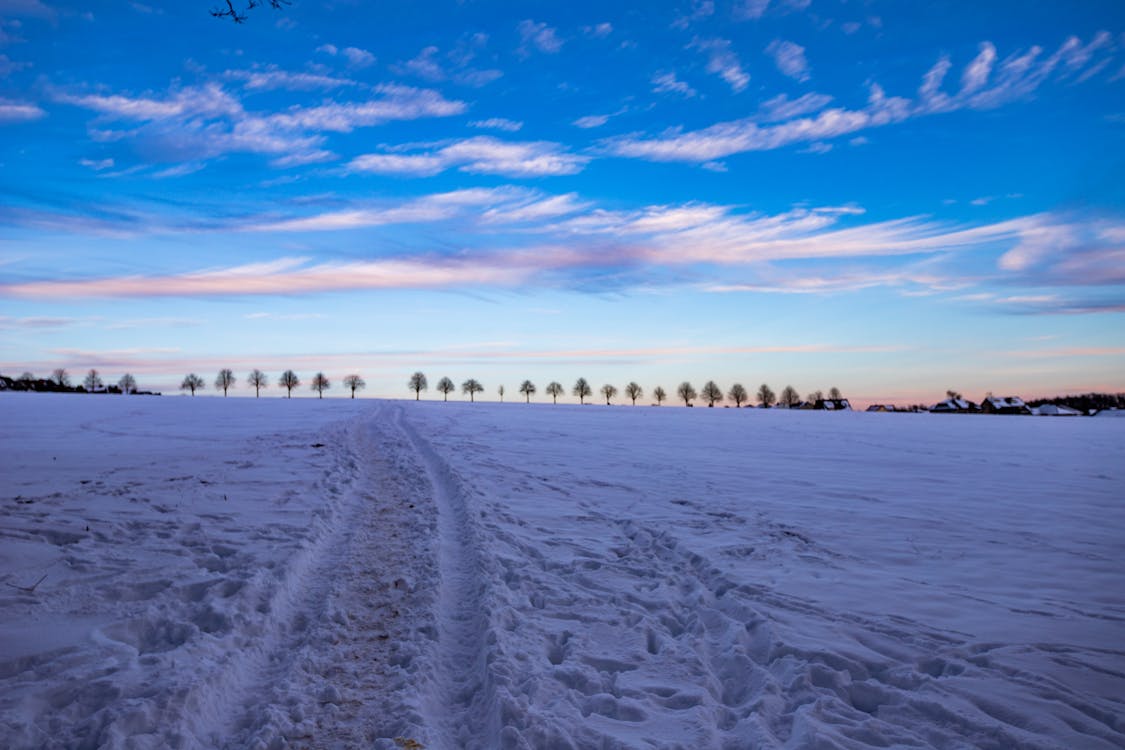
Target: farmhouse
[[955, 406], [832, 404], [1004, 405]]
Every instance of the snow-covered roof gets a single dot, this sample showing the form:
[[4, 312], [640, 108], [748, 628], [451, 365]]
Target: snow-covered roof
[[1003, 402], [1055, 410]]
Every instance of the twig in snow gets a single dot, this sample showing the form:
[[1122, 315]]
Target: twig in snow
[[29, 589]]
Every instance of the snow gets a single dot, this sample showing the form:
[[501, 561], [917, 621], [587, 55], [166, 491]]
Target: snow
[[273, 573]]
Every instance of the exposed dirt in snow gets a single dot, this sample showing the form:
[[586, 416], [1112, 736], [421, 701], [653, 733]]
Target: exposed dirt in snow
[[342, 574]]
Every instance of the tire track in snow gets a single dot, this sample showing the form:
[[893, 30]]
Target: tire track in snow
[[463, 709]]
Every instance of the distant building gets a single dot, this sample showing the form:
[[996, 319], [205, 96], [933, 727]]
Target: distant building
[[832, 404], [881, 407], [955, 406], [1004, 405]]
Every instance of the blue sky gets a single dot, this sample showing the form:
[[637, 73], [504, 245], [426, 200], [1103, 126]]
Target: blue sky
[[891, 198]]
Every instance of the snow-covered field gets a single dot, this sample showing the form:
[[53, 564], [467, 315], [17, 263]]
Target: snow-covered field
[[236, 573]]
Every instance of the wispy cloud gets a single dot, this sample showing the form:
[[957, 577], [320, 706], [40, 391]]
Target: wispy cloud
[[497, 123], [789, 58], [537, 36], [723, 62], [196, 123], [271, 77], [989, 86], [699, 10], [97, 164], [592, 121], [355, 56], [750, 9], [667, 83], [431, 65], [480, 155]]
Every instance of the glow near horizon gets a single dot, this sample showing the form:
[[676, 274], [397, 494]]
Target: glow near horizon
[[705, 192]]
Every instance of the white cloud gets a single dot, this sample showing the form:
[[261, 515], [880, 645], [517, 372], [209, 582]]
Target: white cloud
[[817, 147], [591, 121], [789, 58], [96, 164], [750, 9], [667, 83], [599, 31], [479, 155], [1016, 77], [13, 111], [538, 35], [357, 58], [395, 103], [192, 124], [497, 123], [976, 73], [723, 62], [781, 107], [271, 77], [430, 65], [424, 65], [700, 9]]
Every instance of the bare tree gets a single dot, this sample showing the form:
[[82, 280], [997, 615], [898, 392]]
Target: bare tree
[[500, 392], [582, 390], [952, 394], [289, 381], [93, 380], [354, 383], [258, 379], [659, 395], [192, 382], [224, 380], [127, 384], [27, 377], [815, 396], [834, 392], [554, 390], [60, 377], [445, 387], [527, 388], [609, 392], [417, 383], [790, 397], [711, 393], [686, 392], [738, 394], [634, 391], [320, 384], [472, 387], [239, 16], [766, 396]]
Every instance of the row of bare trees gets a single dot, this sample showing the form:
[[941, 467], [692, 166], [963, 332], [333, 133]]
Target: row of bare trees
[[711, 392], [259, 380]]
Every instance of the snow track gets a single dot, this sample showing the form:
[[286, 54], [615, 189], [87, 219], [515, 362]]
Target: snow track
[[462, 707]]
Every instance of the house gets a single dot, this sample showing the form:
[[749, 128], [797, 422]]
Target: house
[[955, 406], [881, 407], [832, 404], [1055, 410], [1004, 405]]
